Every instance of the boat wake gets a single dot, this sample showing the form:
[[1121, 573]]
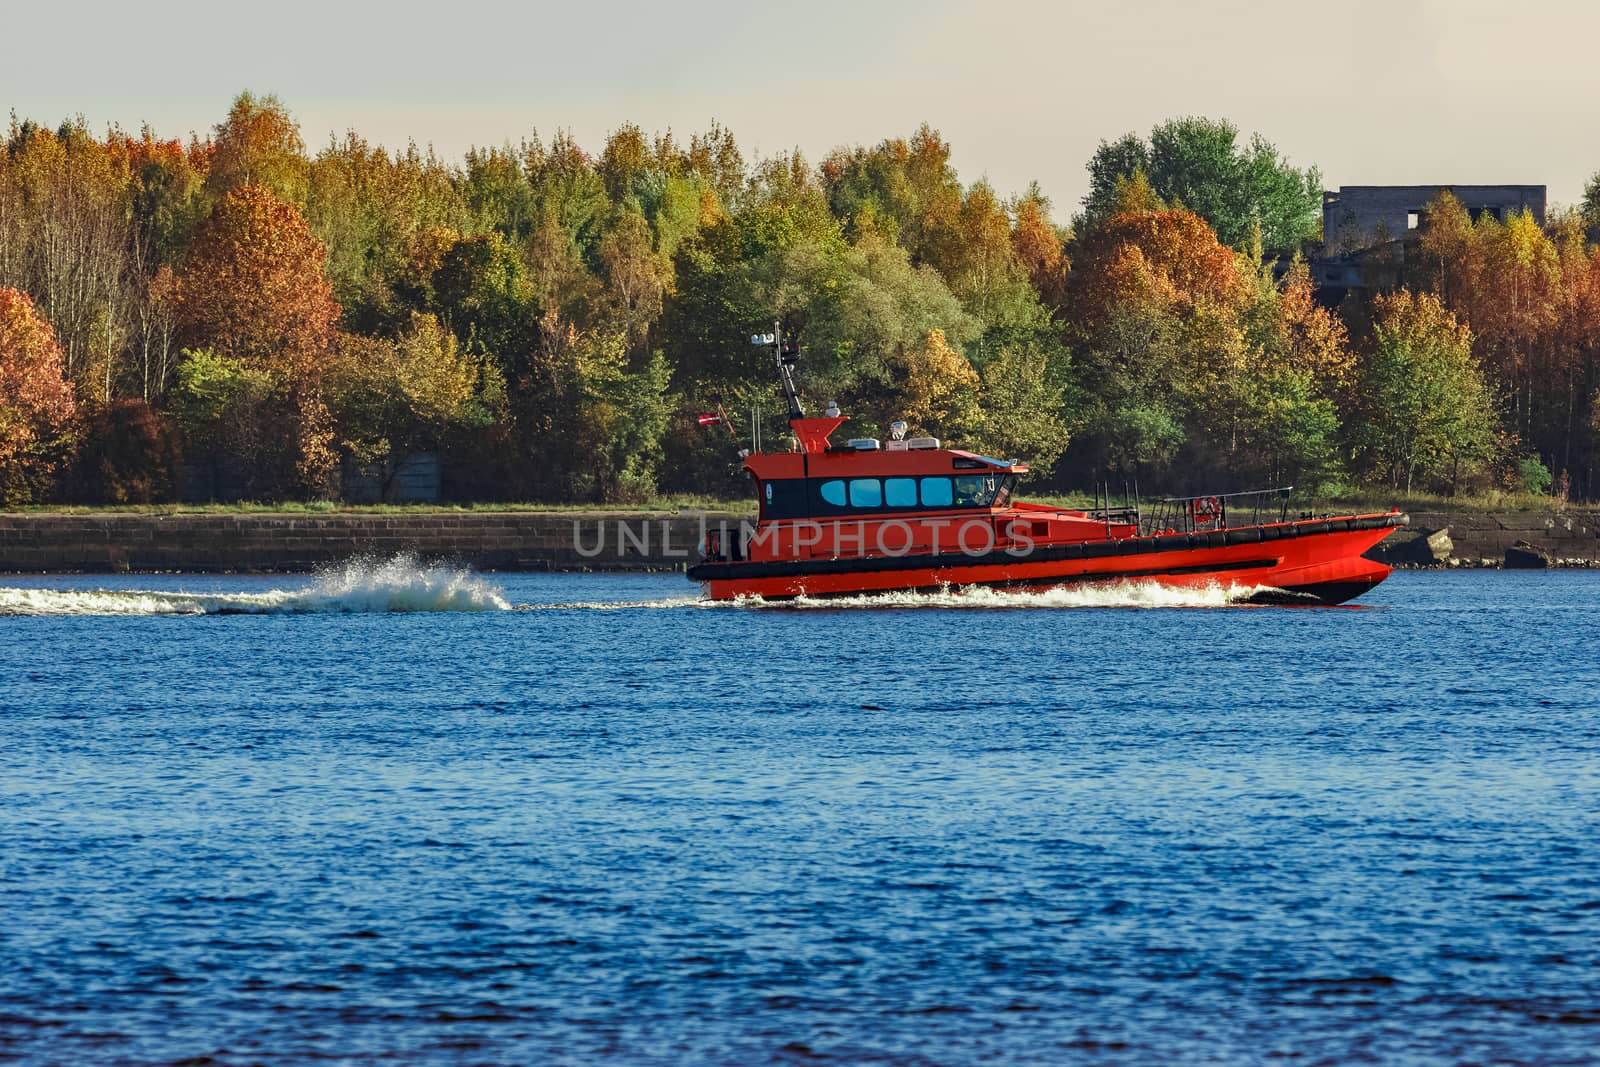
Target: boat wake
[[358, 586], [1123, 594]]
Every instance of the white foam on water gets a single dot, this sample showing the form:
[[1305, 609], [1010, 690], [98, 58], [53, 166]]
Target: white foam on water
[[1121, 594], [358, 586], [690, 600]]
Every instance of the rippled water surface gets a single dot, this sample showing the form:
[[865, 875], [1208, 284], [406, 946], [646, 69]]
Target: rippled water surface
[[280, 821]]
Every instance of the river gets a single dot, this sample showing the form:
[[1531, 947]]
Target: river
[[404, 814]]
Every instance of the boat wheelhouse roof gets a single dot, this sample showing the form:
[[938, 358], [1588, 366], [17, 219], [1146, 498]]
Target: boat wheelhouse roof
[[819, 459]]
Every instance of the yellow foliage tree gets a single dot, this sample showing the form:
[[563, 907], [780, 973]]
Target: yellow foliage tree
[[939, 393]]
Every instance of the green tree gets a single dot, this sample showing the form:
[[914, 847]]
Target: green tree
[[619, 416], [861, 311], [483, 296], [393, 399], [497, 194], [1024, 407], [1425, 409], [1591, 200], [1288, 431], [566, 188], [1198, 163], [231, 415]]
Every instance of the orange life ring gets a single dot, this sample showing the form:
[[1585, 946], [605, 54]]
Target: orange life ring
[[1206, 508]]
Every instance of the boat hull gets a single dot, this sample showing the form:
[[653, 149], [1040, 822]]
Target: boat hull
[[1311, 561]]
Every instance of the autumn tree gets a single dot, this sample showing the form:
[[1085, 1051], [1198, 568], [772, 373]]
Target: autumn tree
[[559, 280], [126, 454], [67, 243], [937, 389], [1158, 315], [715, 156], [905, 186], [634, 275], [1297, 371], [1295, 332], [166, 204], [36, 403], [973, 251], [252, 290], [1038, 246], [252, 285], [259, 144], [1527, 292]]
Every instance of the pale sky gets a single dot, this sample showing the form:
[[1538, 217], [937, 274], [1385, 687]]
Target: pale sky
[[1371, 91]]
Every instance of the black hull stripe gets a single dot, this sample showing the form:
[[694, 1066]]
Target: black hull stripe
[[1133, 546]]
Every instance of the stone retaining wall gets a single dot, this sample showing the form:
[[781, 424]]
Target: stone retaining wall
[[300, 542], [530, 540]]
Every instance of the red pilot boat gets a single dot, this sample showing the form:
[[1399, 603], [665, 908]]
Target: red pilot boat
[[868, 516]]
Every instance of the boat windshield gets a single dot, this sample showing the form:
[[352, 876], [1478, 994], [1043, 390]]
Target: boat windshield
[[977, 490]]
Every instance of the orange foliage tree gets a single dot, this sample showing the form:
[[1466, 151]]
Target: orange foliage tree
[[252, 286], [1176, 247], [36, 402], [1038, 247]]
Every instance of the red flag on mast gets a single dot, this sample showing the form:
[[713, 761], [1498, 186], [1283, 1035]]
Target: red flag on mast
[[707, 420]]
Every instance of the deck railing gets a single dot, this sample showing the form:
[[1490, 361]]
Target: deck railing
[[1213, 511]]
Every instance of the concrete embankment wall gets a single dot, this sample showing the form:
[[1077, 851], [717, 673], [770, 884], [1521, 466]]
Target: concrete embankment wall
[[1571, 536], [508, 540], [529, 540]]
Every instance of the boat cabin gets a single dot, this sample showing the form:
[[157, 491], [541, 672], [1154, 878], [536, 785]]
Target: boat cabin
[[863, 479]]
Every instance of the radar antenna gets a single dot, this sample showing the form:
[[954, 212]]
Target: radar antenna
[[786, 354]]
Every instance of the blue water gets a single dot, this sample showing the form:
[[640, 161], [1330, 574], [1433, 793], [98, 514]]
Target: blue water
[[663, 834]]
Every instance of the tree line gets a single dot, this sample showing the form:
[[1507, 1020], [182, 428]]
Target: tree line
[[235, 311]]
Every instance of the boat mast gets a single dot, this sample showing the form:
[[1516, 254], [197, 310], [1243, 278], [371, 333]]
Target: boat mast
[[785, 359]]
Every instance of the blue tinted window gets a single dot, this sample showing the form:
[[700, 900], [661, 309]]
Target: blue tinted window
[[936, 492], [866, 493], [900, 492], [833, 493]]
